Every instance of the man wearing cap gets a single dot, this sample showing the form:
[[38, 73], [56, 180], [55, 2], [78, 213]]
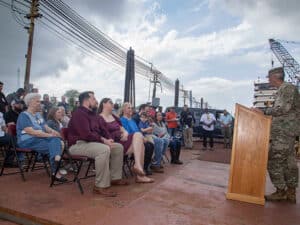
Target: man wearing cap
[[282, 165]]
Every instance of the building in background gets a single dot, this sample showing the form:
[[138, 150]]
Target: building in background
[[264, 95]]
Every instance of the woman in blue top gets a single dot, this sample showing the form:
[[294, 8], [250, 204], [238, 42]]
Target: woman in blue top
[[131, 127], [34, 133]]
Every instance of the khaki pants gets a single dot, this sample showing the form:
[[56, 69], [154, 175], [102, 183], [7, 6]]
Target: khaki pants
[[108, 162], [188, 137]]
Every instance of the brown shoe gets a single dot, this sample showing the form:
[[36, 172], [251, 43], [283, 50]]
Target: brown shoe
[[119, 182], [278, 195], [157, 169], [106, 192], [291, 195]]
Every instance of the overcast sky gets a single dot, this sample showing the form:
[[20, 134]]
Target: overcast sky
[[216, 48]]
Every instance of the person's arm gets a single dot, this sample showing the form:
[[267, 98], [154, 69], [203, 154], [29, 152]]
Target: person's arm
[[286, 99], [51, 131]]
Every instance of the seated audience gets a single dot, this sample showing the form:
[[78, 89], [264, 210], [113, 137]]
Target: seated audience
[[34, 133], [13, 113], [54, 119], [84, 139], [145, 127], [132, 143], [158, 142], [6, 140], [160, 130], [130, 126], [65, 118], [3, 101]]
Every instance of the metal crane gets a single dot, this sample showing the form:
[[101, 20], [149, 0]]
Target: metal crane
[[290, 65]]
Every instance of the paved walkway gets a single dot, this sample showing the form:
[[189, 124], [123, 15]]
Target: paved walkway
[[193, 193]]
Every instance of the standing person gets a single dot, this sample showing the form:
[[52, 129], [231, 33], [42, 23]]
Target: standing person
[[187, 121], [64, 104], [133, 143], [208, 124], [3, 101], [226, 126], [84, 139], [172, 121], [282, 165], [46, 106]]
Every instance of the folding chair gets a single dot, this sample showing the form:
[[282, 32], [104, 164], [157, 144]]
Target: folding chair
[[128, 162], [75, 161]]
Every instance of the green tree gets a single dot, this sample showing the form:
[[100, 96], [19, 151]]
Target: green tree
[[72, 94]]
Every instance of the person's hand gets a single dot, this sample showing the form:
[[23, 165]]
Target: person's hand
[[150, 130], [55, 133], [108, 142], [257, 110], [124, 136]]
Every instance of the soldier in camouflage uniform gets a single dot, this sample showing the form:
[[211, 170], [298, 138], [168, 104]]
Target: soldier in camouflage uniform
[[282, 165]]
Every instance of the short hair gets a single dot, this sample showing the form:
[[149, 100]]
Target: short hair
[[84, 96], [143, 106], [278, 72], [28, 98], [21, 91], [1, 83]]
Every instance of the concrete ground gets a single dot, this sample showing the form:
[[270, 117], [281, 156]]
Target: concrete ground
[[193, 193]]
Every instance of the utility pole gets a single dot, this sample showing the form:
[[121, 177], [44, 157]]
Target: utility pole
[[129, 90], [33, 14]]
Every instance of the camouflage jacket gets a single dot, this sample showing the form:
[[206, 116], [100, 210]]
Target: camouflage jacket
[[286, 110]]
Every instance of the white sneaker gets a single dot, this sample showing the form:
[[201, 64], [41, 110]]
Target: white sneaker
[[63, 171]]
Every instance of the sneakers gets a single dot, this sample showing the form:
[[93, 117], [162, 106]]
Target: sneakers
[[278, 195], [62, 171]]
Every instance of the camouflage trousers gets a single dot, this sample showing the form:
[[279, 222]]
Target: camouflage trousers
[[282, 164]]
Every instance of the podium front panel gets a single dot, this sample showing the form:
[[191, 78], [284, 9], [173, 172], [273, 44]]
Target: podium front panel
[[249, 156]]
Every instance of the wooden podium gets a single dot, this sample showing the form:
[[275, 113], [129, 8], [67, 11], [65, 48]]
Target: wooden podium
[[249, 156]]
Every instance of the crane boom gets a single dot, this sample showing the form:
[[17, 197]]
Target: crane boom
[[290, 65]]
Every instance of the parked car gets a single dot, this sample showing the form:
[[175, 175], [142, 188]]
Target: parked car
[[198, 130]]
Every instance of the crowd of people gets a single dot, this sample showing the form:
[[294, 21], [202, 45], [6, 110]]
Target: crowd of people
[[96, 130]]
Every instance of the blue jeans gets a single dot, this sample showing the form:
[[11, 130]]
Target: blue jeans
[[166, 143], [158, 150], [46, 146], [172, 131]]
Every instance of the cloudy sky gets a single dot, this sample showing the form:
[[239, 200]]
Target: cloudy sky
[[215, 48]]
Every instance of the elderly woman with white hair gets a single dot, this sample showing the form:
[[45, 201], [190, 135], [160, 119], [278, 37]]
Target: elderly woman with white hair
[[33, 133]]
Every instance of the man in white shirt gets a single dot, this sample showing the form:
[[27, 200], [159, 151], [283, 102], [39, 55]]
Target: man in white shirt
[[208, 124]]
